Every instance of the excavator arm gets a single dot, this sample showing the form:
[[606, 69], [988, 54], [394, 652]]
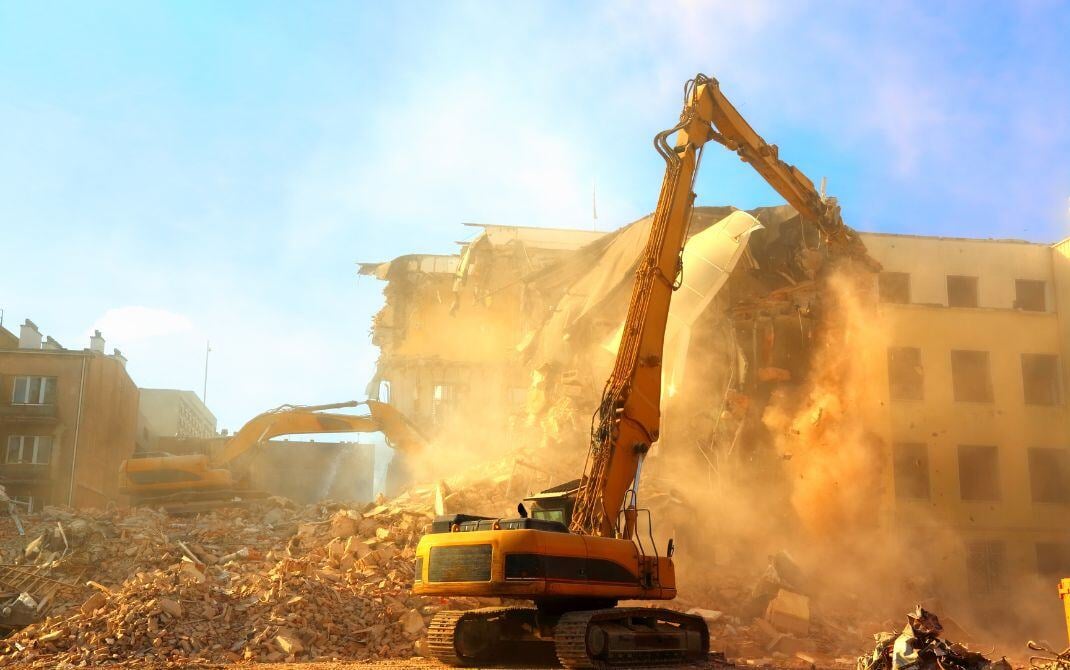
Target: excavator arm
[[308, 420], [175, 476], [629, 416]]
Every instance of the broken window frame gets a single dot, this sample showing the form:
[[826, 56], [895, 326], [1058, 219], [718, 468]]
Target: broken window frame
[[885, 288], [972, 291], [441, 403], [1050, 396], [963, 391], [909, 483], [977, 491], [905, 387], [26, 503], [34, 390], [1049, 475]]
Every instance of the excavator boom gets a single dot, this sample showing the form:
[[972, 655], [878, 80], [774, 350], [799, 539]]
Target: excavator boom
[[209, 477], [629, 416], [572, 556]]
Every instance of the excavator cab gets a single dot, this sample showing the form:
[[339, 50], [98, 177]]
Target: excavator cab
[[555, 504]]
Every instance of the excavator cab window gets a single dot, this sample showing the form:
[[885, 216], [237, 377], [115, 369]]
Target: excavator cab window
[[557, 515], [557, 509]]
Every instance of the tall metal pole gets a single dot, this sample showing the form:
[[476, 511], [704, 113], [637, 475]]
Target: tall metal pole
[[207, 350]]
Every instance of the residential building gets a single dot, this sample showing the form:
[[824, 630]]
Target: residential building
[[972, 400], [172, 413], [67, 420]]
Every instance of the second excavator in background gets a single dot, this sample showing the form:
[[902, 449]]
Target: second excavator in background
[[198, 481]]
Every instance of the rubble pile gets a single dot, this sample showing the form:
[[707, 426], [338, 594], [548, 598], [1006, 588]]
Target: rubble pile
[[920, 647], [337, 588], [770, 618], [272, 583]]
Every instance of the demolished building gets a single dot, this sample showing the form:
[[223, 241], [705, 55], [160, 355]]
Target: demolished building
[[927, 398]]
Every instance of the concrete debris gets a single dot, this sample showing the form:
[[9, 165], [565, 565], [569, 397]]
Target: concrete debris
[[920, 647], [326, 581], [789, 613]]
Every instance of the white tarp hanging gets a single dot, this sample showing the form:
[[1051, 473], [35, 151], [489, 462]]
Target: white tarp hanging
[[709, 258]]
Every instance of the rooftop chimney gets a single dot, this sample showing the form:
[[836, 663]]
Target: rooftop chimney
[[96, 343], [52, 345], [29, 336], [118, 355]]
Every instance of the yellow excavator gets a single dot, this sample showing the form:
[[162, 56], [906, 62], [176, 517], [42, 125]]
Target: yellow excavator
[[578, 553], [189, 482]]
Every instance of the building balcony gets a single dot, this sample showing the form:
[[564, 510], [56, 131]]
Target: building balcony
[[28, 413], [24, 473]]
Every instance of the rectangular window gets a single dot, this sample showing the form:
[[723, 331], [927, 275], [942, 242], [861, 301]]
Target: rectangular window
[[1040, 379], [1049, 475], [1053, 559], [36, 449], [905, 375], [979, 472], [894, 287], [961, 291], [986, 566], [442, 396], [970, 377], [34, 391], [911, 467], [1030, 295]]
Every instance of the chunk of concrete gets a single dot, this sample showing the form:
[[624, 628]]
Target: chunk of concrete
[[789, 612]]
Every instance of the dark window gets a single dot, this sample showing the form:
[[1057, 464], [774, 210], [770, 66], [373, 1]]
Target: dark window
[[1040, 379], [985, 566], [911, 466], [1049, 475], [979, 472], [905, 375], [894, 287], [1030, 294], [969, 374], [1053, 559], [961, 291]]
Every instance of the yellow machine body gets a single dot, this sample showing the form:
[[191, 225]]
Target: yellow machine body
[[540, 565]]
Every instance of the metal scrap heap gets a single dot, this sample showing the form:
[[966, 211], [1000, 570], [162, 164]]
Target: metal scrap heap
[[920, 647]]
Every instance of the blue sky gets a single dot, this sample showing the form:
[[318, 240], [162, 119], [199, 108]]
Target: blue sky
[[177, 172]]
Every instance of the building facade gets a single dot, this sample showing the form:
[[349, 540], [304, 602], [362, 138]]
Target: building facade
[[967, 376], [448, 331], [172, 413], [972, 400], [68, 418]]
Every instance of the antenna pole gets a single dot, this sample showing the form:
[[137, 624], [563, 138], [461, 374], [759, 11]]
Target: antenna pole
[[204, 392]]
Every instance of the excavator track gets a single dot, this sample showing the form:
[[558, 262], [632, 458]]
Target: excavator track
[[440, 637], [629, 637], [486, 636]]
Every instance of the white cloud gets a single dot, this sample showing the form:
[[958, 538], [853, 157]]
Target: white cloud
[[132, 323]]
